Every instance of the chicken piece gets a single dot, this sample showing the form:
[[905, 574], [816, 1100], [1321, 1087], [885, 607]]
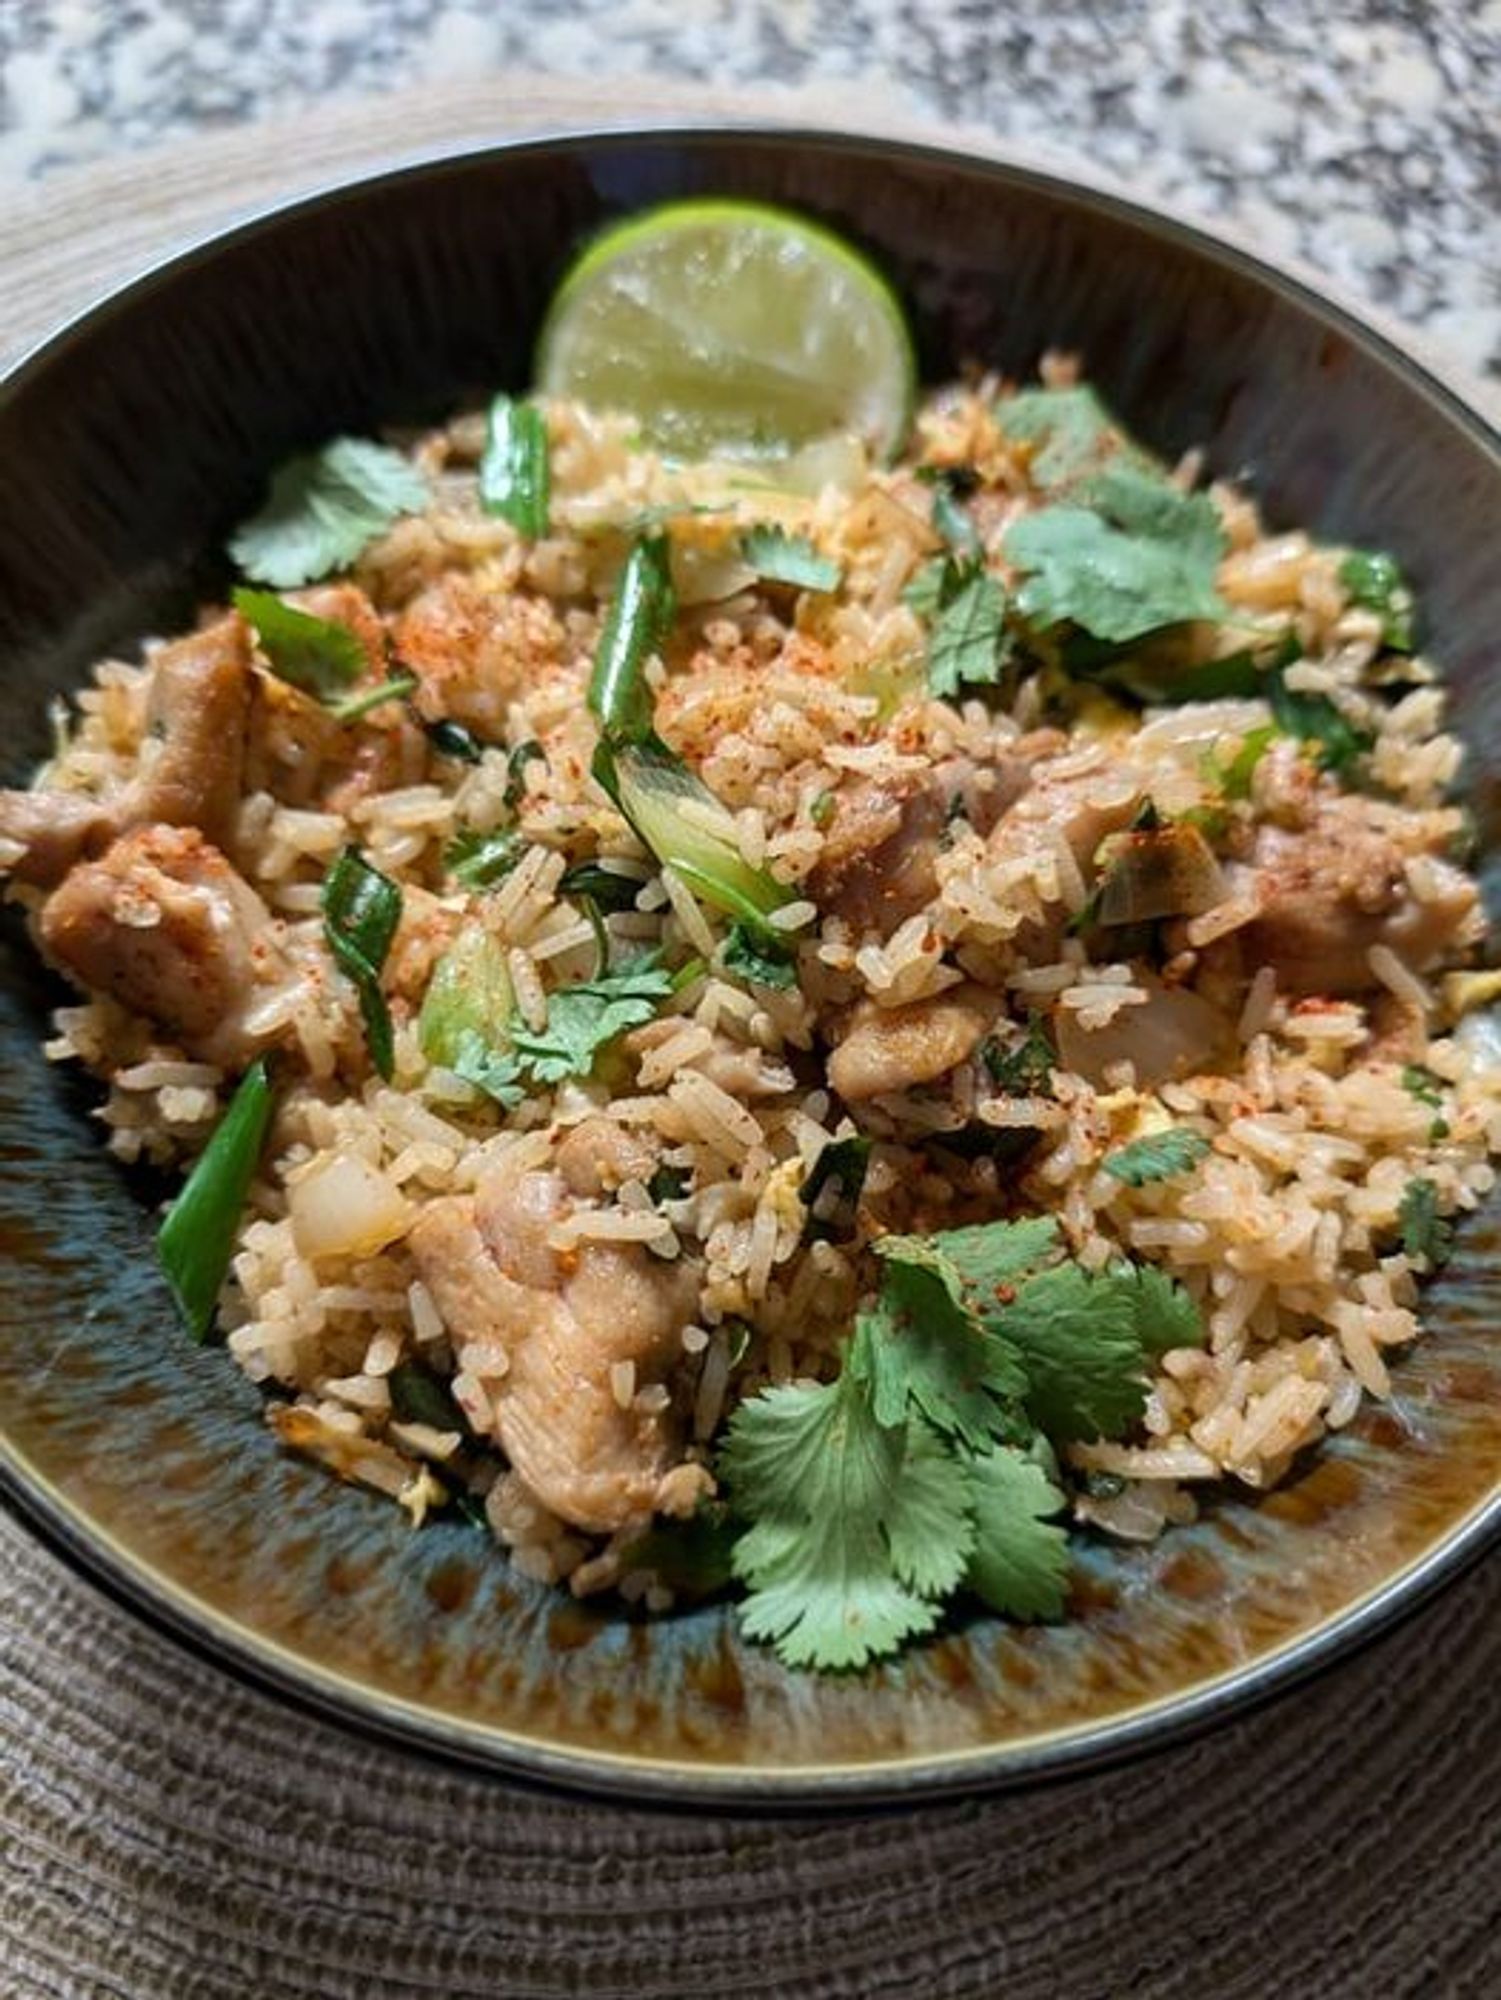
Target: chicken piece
[[51, 831], [1334, 888], [885, 1049], [568, 1323], [878, 865], [475, 649], [599, 1156], [191, 764], [193, 760], [164, 925]]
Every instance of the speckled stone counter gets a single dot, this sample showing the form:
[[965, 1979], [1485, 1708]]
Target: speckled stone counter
[[1365, 134]]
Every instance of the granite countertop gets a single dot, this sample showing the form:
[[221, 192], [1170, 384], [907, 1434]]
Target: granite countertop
[[1365, 134]]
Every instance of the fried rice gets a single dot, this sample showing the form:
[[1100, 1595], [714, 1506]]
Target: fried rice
[[806, 715]]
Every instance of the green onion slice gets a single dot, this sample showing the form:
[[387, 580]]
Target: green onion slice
[[514, 478], [675, 814], [640, 617], [195, 1242], [361, 909]]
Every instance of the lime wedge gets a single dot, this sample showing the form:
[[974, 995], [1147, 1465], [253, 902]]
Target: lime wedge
[[726, 328]]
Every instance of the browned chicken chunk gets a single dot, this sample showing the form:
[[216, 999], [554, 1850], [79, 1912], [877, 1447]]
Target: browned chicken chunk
[[1334, 888], [163, 924], [52, 831], [894, 1048], [599, 1156], [584, 1333], [193, 759], [191, 765], [877, 867]]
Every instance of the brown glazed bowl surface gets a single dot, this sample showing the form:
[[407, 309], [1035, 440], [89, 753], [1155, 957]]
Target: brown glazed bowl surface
[[147, 428]]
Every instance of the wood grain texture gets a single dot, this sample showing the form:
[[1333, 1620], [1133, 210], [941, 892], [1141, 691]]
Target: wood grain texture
[[170, 1833]]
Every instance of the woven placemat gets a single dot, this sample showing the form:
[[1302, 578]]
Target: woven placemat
[[169, 1834]]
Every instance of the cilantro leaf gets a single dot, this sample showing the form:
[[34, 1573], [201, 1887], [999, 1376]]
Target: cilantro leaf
[[514, 474], [925, 594], [322, 510], [1019, 1565], [495, 1071], [1126, 556], [1375, 581], [951, 483], [831, 1188], [856, 1527], [970, 643], [1076, 1335], [318, 655], [582, 1019], [1425, 1233], [780, 557], [1165, 1316], [1314, 718], [745, 956], [1073, 431], [1157, 1157], [920, 1346], [1026, 1068], [988, 1257]]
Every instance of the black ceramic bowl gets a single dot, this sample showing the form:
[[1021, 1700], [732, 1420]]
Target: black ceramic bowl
[[136, 437]]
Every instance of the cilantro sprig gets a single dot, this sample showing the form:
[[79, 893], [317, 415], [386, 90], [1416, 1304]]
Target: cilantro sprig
[[1126, 554], [969, 643], [1425, 1235], [318, 655], [926, 1467], [323, 509], [1156, 1157]]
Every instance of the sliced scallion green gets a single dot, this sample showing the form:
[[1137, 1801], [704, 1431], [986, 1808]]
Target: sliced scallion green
[[361, 909], [469, 997], [675, 814], [514, 478], [640, 616], [195, 1242]]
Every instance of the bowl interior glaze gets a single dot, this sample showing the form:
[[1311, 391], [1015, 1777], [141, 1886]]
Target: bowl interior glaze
[[146, 429]]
